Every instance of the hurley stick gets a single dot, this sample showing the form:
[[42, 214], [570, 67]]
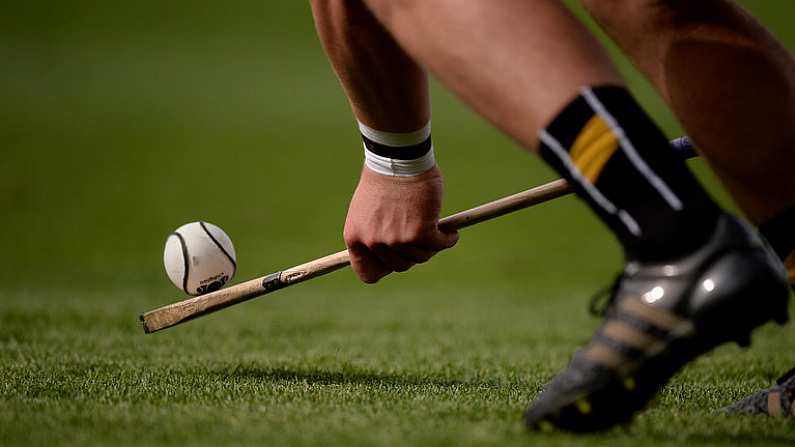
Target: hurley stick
[[173, 314]]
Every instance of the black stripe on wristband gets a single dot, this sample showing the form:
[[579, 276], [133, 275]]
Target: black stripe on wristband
[[398, 153]]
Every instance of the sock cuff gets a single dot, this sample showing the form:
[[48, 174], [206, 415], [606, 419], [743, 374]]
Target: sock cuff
[[568, 123]]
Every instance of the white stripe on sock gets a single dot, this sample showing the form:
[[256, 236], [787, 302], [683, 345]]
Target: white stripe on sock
[[600, 199], [629, 150]]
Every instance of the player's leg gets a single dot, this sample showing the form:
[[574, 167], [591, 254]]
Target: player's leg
[[732, 84], [728, 80], [692, 271], [517, 63]]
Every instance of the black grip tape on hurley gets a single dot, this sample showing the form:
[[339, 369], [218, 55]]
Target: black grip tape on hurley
[[273, 282]]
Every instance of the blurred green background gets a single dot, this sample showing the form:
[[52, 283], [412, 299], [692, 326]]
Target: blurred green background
[[121, 121]]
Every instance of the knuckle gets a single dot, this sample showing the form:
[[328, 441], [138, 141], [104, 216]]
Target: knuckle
[[414, 235], [374, 243], [350, 237], [393, 241]]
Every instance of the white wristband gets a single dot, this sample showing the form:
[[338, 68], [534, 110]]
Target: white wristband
[[398, 154]]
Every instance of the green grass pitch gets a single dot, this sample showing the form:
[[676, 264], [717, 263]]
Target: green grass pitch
[[120, 122]]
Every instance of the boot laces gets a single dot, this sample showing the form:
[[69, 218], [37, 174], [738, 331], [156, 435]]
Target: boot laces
[[604, 299]]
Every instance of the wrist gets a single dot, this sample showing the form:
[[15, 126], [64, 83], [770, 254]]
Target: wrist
[[396, 154], [395, 182]]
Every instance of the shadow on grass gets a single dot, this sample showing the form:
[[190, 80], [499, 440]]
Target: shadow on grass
[[704, 430], [346, 375]]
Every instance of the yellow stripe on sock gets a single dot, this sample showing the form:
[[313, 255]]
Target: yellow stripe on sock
[[595, 159], [592, 130], [593, 148]]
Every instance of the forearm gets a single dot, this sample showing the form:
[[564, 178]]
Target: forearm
[[387, 90], [392, 218]]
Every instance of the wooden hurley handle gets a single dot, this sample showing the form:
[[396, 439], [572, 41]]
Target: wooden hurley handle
[[173, 314], [501, 207]]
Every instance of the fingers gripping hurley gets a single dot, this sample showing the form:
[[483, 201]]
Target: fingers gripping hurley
[[173, 314]]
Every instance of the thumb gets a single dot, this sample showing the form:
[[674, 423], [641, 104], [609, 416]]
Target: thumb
[[441, 240]]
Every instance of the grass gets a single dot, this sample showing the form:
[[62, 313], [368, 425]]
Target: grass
[[119, 125], [419, 366]]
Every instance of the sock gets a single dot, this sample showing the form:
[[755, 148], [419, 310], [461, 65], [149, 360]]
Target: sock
[[779, 231], [621, 164]]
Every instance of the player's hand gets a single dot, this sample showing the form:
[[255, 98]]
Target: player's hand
[[392, 223]]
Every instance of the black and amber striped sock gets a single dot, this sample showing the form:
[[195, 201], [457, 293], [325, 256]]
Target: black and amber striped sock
[[779, 231], [620, 163]]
